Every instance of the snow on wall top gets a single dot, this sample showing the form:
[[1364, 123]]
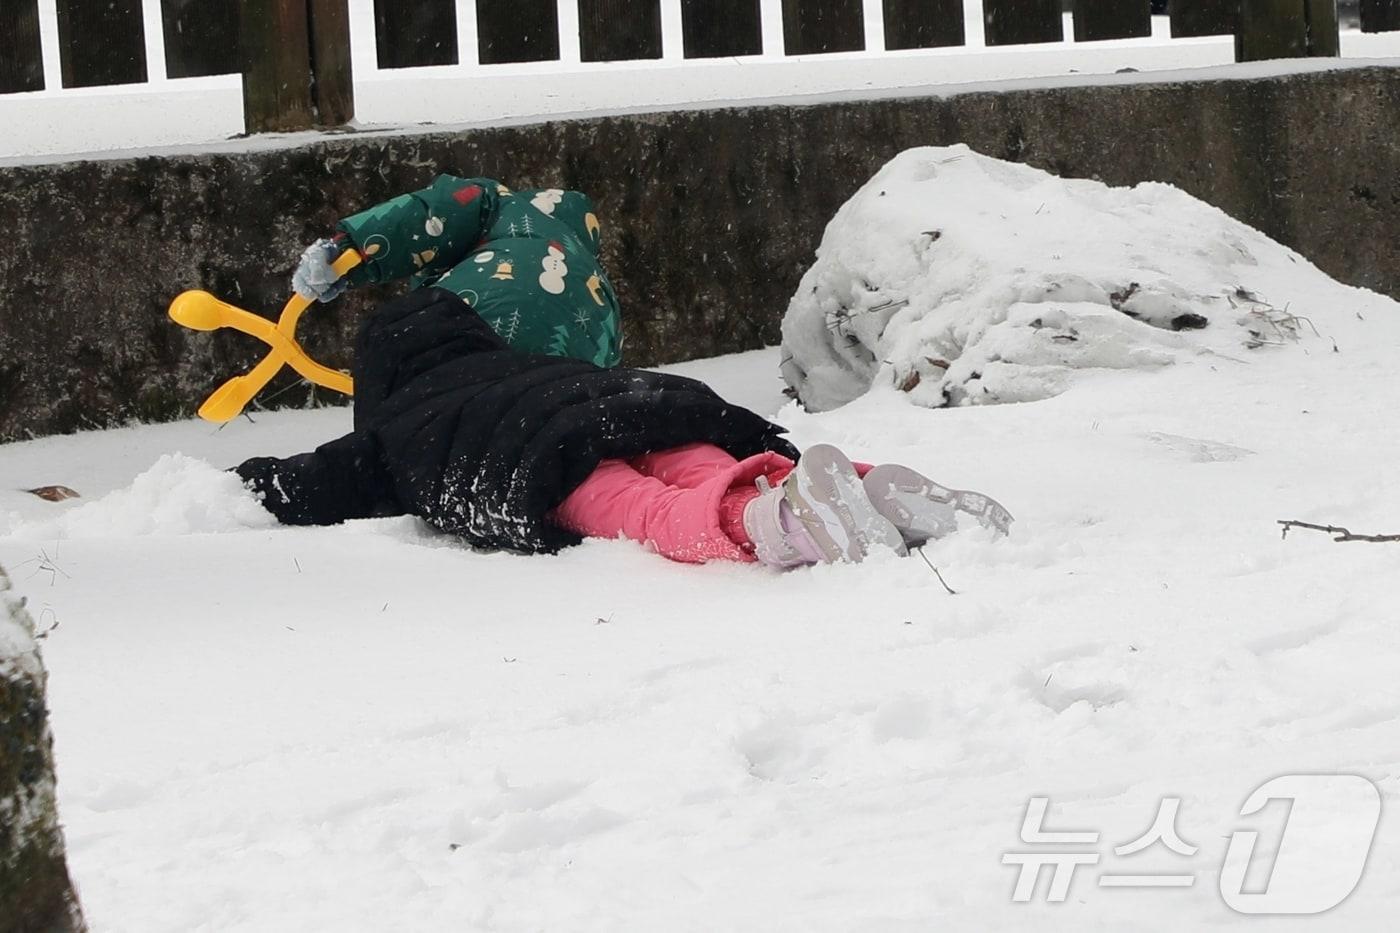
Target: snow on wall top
[[963, 279]]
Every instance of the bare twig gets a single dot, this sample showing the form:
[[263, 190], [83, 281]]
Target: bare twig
[[951, 591], [47, 564], [1337, 532], [838, 319], [261, 405], [46, 628]]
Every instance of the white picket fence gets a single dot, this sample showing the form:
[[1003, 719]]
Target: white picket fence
[[164, 111]]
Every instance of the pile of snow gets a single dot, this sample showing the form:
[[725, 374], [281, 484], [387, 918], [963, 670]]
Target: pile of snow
[[962, 279], [178, 495]]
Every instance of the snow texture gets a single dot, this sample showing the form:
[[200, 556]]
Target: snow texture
[[964, 279], [178, 495]]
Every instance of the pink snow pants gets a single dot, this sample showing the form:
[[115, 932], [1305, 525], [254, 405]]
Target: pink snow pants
[[686, 503]]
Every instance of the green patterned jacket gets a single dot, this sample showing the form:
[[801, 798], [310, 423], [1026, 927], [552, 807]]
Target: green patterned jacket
[[527, 261]]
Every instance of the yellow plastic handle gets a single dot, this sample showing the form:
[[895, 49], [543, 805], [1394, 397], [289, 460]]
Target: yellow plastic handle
[[200, 310]]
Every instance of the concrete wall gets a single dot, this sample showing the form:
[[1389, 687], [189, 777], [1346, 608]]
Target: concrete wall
[[709, 217]]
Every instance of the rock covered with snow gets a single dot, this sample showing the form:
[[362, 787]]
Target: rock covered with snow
[[962, 279], [35, 891]]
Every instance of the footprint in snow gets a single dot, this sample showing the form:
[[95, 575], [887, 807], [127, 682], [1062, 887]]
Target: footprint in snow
[[1197, 450]]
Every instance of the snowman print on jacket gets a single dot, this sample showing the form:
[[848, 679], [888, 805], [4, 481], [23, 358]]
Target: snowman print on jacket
[[546, 201], [552, 278]]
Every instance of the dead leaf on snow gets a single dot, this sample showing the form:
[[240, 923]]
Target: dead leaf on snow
[[53, 493]]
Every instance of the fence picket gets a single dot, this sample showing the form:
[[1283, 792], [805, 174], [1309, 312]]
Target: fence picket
[[813, 26], [201, 37], [619, 30], [1203, 17], [1270, 29], [407, 35], [103, 43], [1111, 19], [274, 39], [923, 24], [1380, 15], [21, 60], [1286, 29], [333, 84], [1324, 29], [1019, 22], [719, 28], [517, 30]]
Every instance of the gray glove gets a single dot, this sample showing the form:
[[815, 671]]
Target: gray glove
[[314, 279]]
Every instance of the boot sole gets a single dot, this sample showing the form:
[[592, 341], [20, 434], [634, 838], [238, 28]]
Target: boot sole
[[923, 509], [829, 499]]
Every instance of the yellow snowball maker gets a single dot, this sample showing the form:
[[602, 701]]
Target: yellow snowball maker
[[202, 311]]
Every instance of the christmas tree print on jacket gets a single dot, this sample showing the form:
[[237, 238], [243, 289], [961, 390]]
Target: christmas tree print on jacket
[[526, 261]]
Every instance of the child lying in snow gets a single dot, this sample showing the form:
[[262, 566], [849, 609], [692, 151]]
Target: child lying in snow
[[530, 453]]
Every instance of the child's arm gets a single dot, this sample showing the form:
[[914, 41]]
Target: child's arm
[[423, 233], [336, 482]]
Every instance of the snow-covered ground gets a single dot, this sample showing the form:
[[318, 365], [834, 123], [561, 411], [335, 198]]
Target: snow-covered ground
[[369, 728]]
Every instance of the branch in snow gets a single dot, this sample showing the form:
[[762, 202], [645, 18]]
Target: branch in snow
[[1338, 533], [951, 591]]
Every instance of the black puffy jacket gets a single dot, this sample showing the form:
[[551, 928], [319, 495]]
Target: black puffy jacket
[[482, 441]]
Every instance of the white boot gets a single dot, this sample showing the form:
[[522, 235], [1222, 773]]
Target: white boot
[[820, 513], [923, 510], [779, 539]]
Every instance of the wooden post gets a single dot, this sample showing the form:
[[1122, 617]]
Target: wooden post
[[1271, 29], [332, 81], [719, 28], [1324, 29], [201, 38], [1286, 29], [814, 26], [276, 50], [21, 58], [923, 24], [102, 43], [1380, 15], [517, 31], [619, 30], [407, 35], [296, 64], [1203, 17], [1111, 19], [1020, 22]]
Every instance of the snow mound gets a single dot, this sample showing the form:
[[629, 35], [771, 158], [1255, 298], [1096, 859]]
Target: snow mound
[[178, 495], [962, 279]]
